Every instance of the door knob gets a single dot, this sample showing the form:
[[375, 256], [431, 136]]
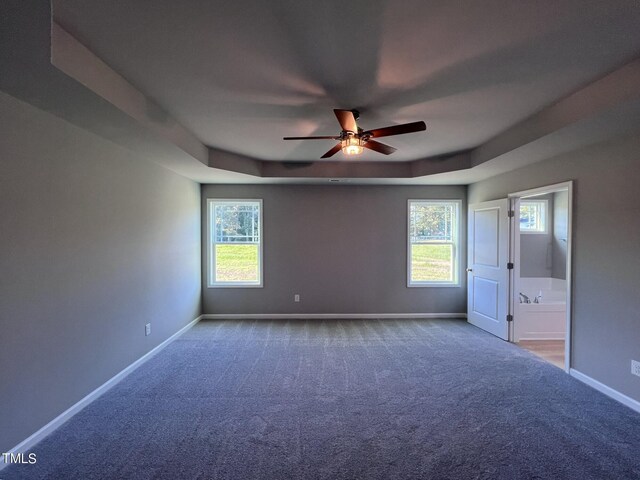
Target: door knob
[[469, 270]]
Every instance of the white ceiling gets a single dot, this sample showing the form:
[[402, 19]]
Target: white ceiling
[[240, 75]]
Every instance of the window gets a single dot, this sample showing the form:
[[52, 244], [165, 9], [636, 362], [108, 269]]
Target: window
[[533, 216], [235, 243], [432, 254]]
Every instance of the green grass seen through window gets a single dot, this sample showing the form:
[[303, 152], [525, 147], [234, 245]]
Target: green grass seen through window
[[237, 263], [431, 263]]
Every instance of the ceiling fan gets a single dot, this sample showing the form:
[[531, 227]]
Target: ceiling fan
[[353, 140]]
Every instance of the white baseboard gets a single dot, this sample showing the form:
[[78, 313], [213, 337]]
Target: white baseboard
[[28, 443], [608, 391], [319, 316]]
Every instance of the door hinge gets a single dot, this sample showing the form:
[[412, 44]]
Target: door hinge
[[511, 213], [509, 318], [509, 266]]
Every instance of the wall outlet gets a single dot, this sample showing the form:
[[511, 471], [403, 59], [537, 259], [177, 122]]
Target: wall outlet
[[635, 367], [147, 330], [296, 297]]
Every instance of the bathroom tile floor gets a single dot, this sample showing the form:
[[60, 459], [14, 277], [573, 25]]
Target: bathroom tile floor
[[550, 350]]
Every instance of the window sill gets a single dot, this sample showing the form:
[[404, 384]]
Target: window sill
[[428, 285]]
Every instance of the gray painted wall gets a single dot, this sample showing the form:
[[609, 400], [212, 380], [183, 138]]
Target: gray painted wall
[[560, 229], [606, 263], [95, 243], [343, 248], [535, 248]]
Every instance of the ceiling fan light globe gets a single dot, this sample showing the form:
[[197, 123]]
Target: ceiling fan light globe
[[353, 150], [352, 146]]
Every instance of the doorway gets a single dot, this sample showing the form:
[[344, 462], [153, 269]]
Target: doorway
[[540, 280]]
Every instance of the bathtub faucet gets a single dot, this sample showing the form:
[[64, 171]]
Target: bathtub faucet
[[524, 298]]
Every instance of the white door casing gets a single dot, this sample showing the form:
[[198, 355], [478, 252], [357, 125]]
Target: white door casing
[[515, 197], [487, 273]]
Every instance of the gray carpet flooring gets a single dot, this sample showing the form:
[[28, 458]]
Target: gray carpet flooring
[[343, 399]]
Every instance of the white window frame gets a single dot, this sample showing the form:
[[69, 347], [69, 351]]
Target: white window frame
[[211, 244], [544, 215], [455, 244]]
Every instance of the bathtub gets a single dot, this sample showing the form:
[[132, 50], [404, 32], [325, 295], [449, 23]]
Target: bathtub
[[546, 320]]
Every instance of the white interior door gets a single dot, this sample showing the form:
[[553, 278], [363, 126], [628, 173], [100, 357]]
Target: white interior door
[[487, 274]]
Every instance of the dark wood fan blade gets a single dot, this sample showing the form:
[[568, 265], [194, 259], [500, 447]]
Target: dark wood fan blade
[[397, 129], [379, 147], [311, 138], [332, 152], [347, 120]]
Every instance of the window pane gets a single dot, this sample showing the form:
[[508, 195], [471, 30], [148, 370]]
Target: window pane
[[431, 263], [528, 217], [237, 223], [431, 222], [237, 263], [532, 216]]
